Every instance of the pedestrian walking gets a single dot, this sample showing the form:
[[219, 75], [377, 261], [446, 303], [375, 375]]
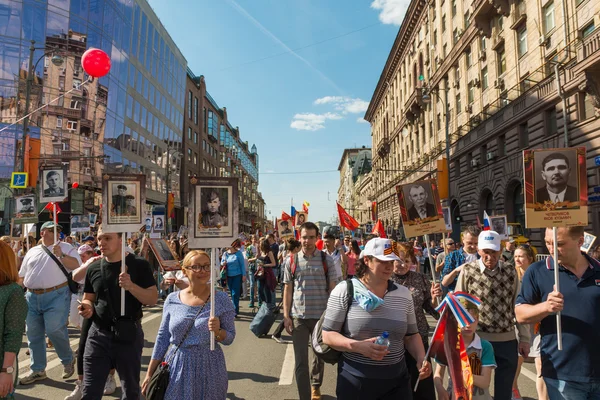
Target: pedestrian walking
[[101, 301], [292, 247], [353, 253], [449, 247], [332, 247], [367, 370], [570, 373], [497, 285], [195, 371], [251, 255], [307, 285], [13, 311], [48, 297], [233, 260], [265, 263], [466, 254]]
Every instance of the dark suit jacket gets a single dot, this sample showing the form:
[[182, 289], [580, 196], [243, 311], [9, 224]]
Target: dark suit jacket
[[541, 195], [429, 209]]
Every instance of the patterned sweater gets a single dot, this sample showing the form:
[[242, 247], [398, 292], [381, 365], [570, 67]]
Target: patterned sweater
[[497, 289]]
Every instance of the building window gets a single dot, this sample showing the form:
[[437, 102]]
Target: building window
[[196, 110], [203, 144], [455, 36], [501, 144], [484, 78], [522, 38], [587, 31], [501, 61], [435, 38], [443, 23], [468, 57], [190, 104], [204, 165], [195, 158], [195, 137], [439, 121], [523, 135], [458, 104], [77, 84], [75, 105], [550, 125], [467, 20], [548, 15], [483, 44], [445, 51], [71, 125], [453, 8], [483, 154], [456, 168], [59, 122], [471, 93], [189, 133], [61, 82], [585, 106]]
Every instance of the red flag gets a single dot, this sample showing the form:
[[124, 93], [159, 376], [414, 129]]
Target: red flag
[[345, 219], [285, 216], [304, 208], [378, 229], [374, 210], [50, 207], [448, 348]]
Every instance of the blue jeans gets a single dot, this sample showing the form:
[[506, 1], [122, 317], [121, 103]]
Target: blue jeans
[[253, 288], [568, 390], [47, 315], [235, 288]]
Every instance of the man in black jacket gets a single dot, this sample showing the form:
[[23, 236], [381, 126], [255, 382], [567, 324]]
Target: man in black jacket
[[421, 208], [555, 172]]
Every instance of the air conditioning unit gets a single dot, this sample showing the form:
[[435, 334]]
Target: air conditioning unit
[[499, 84], [87, 171], [474, 163], [542, 40], [490, 155], [459, 32], [476, 82], [54, 138], [456, 84], [63, 71], [439, 60], [482, 55], [469, 109]]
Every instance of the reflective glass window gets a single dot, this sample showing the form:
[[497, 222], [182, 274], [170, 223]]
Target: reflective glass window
[[34, 21], [139, 82], [130, 106], [136, 112], [109, 18], [143, 117], [136, 30], [96, 12], [57, 18], [80, 8]]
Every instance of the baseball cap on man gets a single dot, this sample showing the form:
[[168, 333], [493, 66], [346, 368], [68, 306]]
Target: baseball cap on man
[[489, 240], [84, 248], [382, 249], [50, 225]]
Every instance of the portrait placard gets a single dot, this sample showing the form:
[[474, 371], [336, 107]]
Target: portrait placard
[[80, 223], [301, 217], [499, 224], [284, 229], [420, 208], [54, 184], [16, 230], [25, 210], [213, 215], [447, 219], [555, 187], [93, 219], [124, 196], [166, 257], [588, 242]]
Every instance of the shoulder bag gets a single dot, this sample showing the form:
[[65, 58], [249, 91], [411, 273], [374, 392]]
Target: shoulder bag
[[159, 382], [73, 286], [124, 328]]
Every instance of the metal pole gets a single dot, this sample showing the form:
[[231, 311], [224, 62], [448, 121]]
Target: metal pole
[[561, 93], [29, 79], [123, 270], [447, 138], [212, 282], [557, 287], [55, 222], [167, 217]]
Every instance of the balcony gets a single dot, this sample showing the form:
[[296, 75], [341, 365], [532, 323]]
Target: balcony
[[497, 39], [415, 105], [588, 65], [383, 147], [86, 123], [485, 10], [519, 16], [66, 112]]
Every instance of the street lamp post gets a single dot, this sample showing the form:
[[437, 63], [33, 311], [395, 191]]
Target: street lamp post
[[168, 168]]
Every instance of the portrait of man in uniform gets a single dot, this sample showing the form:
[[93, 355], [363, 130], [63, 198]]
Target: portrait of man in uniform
[[25, 206], [211, 216], [284, 227], [555, 172], [130, 208], [119, 200]]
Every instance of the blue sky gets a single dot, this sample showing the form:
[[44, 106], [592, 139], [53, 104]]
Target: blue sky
[[300, 108]]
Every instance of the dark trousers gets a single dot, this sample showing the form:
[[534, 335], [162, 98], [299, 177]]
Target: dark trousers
[[506, 354], [279, 329], [426, 389], [264, 293], [305, 377], [101, 353], [350, 387], [85, 329]]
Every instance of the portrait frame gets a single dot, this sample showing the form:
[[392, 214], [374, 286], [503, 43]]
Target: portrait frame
[[168, 260], [300, 218], [447, 219], [45, 195], [113, 217], [158, 223], [284, 226], [80, 223], [16, 230], [540, 211], [215, 224], [588, 242], [500, 221], [93, 219], [26, 214], [415, 226]]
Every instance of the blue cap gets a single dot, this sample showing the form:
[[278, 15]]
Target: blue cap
[[385, 334], [85, 239]]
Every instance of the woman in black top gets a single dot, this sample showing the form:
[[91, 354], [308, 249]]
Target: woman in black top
[[266, 282]]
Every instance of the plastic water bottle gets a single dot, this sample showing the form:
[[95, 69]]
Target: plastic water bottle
[[383, 339]]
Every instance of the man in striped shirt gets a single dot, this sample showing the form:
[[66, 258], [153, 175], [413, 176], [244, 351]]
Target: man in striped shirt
[[308, 277]]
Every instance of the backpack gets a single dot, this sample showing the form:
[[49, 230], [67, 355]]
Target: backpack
[[294, 263], [322, 351]]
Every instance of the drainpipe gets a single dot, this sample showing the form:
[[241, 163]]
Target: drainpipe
[[561, 93]]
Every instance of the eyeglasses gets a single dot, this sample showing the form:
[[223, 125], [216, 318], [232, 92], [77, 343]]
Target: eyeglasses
[[205, 268], [450, 244]]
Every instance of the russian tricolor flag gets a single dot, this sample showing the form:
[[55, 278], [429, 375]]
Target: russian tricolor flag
[[486, 221]]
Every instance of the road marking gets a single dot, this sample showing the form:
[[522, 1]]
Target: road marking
[[528, 373], [287, 369], [75, 342]]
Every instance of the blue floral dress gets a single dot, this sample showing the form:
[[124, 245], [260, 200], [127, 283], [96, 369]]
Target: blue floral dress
[[196, 372]]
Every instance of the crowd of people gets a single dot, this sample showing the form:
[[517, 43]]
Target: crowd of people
[[358, 288]]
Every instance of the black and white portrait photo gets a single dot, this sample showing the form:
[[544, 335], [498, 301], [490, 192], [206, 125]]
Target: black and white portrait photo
[[25, 205], [301, 217], [16, 230], [284, 228], [93, 219], [159, 223], [214, 208], [588, 242], [124, 195], [80, 223], [419, 201], [447, 218], [164, 254], [54, 185], [498, 224], [556, 176]]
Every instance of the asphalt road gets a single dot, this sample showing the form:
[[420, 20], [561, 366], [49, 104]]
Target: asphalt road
[[258, 368]]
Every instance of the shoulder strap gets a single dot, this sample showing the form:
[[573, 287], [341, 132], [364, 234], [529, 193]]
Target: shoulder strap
[[350, 294], [324, 261], [56, 260], [189, 328]]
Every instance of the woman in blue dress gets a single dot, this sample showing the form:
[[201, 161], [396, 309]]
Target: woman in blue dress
[[196, 372]]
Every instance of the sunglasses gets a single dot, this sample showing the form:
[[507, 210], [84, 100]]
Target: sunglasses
[[205, 268], [450, 244]]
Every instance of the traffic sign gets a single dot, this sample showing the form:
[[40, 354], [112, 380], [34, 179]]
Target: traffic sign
[[18, 180], [597, 160]]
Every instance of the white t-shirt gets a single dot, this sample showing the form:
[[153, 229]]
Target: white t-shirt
[[337, 261], [40, 271]]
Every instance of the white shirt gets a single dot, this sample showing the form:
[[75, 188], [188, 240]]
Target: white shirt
[[553, 196], [337, 261], [40, 271], [470, 257], [179, 275]]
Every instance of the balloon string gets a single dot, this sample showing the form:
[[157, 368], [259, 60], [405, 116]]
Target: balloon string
[[89, 79]]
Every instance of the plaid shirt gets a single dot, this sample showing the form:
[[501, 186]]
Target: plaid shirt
[[453, 260]]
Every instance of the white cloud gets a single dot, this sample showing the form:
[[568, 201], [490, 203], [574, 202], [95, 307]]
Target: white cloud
[[361, 120], [346, 105], [311, 121], [391, 11]]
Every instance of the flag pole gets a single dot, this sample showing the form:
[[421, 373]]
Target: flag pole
[[557, 287], [123, 270], [55, 222], [213, 260], [433, 273], [429, 348]]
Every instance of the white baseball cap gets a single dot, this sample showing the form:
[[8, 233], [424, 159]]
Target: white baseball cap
[[489, 240], [382, 249]]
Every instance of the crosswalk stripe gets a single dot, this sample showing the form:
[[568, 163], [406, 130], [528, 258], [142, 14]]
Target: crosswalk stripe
[[287, 369]]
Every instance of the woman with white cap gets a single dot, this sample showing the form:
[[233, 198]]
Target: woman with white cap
[[368, 370]]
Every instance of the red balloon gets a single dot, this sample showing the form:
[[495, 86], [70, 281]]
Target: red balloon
[[95, 62], [75, 185]]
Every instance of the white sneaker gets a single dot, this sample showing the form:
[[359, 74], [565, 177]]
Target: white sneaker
[[110, 386], [76, 394]]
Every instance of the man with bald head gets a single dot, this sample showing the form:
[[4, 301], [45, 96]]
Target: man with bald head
[[421, 208]]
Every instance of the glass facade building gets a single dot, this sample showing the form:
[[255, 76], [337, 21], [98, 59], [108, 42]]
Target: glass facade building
[[128, 121]]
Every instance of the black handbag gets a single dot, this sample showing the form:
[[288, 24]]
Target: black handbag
[[159, 382], [73, 286], [124, 328]]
